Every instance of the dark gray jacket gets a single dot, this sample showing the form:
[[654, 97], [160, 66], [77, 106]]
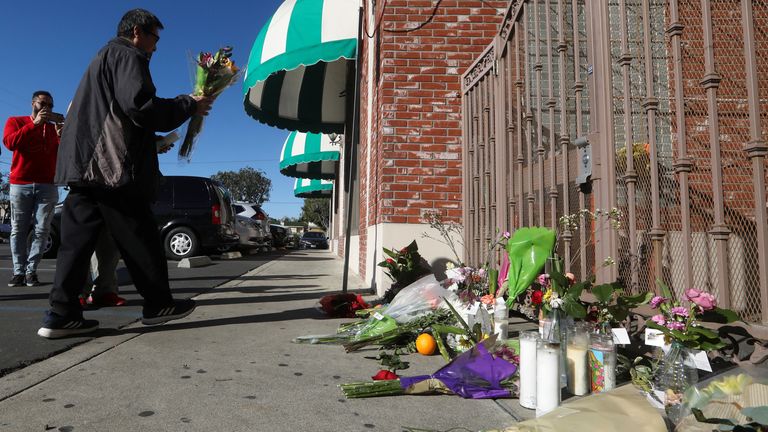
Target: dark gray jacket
[[109, 134]]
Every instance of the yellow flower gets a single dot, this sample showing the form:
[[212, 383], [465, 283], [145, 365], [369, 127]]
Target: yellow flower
[[548, 295], [730, 385]]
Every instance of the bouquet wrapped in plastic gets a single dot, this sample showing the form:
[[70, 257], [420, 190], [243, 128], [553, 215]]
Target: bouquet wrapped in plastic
[[475, 374], [213, 73], [416, 300]]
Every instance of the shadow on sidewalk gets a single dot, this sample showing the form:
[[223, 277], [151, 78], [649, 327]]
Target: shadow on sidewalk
[[287, 316]]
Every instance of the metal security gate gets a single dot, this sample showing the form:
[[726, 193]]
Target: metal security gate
[[655, 108]]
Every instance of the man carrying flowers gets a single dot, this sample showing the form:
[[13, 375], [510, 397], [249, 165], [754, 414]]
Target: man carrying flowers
[[108, 158]]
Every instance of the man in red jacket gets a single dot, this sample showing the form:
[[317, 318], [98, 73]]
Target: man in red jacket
[[34, 141]]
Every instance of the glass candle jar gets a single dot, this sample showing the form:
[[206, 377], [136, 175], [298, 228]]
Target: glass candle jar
[[528, 340], [547, 376], [602, 362], [576, 359]]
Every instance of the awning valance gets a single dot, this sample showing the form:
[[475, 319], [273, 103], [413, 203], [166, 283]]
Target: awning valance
[[310, 156], [298, 68], [308, 188]]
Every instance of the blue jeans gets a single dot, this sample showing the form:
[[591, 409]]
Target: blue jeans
[[30, 204]]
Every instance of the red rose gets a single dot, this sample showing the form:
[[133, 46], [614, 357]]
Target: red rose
[[536, 297], [384, 375]]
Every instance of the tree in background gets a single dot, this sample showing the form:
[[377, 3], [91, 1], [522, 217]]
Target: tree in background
[[317, 211], [248, 184]]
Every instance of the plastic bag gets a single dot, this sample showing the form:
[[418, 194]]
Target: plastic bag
[[417, 299]]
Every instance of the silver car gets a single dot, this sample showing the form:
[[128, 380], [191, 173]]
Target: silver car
[[250, 232]]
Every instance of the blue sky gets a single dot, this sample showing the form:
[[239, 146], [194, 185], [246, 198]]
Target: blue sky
[[48, 44]]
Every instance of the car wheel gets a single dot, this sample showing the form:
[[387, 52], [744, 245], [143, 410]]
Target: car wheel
[[51, 245], [181, 243]]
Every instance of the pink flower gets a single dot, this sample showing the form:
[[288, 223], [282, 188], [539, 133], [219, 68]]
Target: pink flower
[[488, 299], [679, 311], [657, 301], [506, 235], [674, 325], [702, 299], [659, 319], [390, 261], [571, 277], [543, 280]]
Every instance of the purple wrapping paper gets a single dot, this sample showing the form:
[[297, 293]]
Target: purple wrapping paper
[[475, 374]]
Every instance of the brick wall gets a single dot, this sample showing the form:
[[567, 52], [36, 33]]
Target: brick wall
[[415, 140]]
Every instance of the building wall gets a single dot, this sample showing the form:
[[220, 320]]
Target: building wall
[[410, 143]]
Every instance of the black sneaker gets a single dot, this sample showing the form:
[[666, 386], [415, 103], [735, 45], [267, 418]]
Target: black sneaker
[[57, 326], [16, 280], [31, 279], [178, 309]]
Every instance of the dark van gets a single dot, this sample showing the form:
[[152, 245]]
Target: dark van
[[194, 215]]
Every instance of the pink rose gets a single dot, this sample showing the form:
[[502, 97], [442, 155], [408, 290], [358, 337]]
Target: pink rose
[[571, 278], [702, 299], [680, 311], [543, 280]]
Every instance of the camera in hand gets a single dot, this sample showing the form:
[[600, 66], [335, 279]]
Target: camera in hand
[[56, 118]]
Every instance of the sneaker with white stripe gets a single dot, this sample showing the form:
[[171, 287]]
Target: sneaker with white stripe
[[179, 309], [56, 326]]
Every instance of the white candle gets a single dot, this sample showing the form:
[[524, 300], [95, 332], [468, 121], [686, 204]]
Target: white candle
[[547, 377], [528, 368], [578, 378]]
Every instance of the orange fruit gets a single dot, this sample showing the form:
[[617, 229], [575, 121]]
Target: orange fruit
[[425, 344]]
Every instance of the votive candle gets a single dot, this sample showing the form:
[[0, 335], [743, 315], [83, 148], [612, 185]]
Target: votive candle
[[528, 341], [547, 377]]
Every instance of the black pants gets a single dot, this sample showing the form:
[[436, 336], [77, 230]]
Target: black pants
[[127, 215]]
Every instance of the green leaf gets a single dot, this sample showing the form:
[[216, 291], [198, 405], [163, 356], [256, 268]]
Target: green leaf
[[703, 419], [619, 312], [573, 308], [528, 249], [707, 333], [665, 291], [637, 299], [603, 292], [758, 414], [720, 315], [390, 253], [458, 317], [576, 289]]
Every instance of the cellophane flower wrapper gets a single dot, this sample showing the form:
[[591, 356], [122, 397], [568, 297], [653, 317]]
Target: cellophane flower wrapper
[[475, 374], [416, 300], [213, 74]]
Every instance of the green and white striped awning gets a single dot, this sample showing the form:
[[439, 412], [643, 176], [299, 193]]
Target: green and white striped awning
[[309, 156], [297, 72], [308, 188]]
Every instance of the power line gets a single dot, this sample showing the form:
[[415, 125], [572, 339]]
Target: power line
[[220, 162]]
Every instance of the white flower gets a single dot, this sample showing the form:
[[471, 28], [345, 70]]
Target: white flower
[[556, 302]]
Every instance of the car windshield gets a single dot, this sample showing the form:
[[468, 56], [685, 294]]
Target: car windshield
[[315, 235]]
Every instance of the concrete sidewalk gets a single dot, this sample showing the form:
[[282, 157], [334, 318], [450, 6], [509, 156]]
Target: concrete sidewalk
[[231, 366]]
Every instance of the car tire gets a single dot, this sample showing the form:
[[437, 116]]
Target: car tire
[[51, 246], [180, 243]]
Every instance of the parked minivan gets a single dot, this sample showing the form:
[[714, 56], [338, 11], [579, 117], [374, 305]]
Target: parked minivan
[[194, 215]]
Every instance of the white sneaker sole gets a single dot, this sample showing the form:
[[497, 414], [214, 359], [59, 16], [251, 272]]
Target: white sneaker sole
[[60, 333], [165, 318]]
